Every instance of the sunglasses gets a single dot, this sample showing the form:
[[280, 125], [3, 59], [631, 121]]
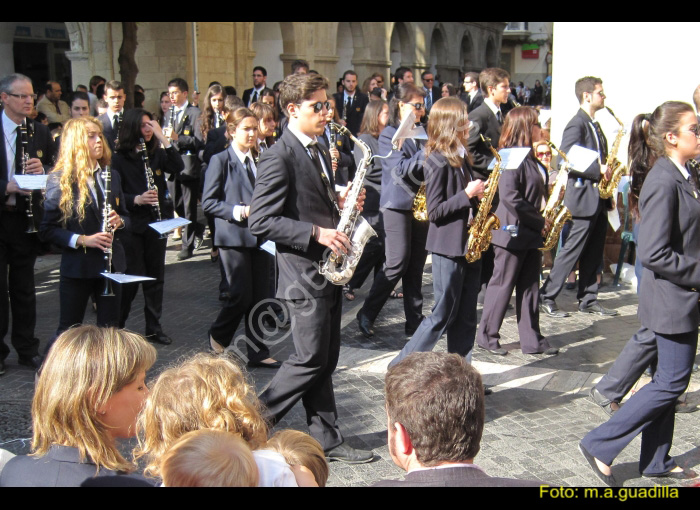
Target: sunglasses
[[318, 107]]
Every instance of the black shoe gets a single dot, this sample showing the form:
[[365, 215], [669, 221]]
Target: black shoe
[[570, 285], [214, 258], [349, 455], [604, 403], [500, 351], [608, 480], [487, 391], [260, 364], [686, 474], [552, 351], [552, 310], [184, 254], [33, 362], [2, 367], [597, 309], [224, 296], [160, 338], [684, 407], [365, 325]]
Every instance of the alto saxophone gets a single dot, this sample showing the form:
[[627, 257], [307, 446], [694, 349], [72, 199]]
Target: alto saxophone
[[617, 169], [338, 269], [555, 211], [485, 221], [420, 207]]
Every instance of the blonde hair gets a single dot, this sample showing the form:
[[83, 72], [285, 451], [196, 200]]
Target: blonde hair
[[74, 164], [84, 368], [204, 391], [448, 127], [300, 449], [209, 458]]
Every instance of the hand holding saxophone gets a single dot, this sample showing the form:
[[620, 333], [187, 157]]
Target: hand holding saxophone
[[475, 189], [360, 198], [335, 240]]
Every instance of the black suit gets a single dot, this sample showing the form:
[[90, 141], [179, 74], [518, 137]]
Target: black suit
[[518, 260], [436, 94], [145, 250], [81, 268], [346, 164], [185, 187], [459, 476], [586, 239], [669, 247], [289, 198], [455, 280], [247, 267], [110, 133], [247, 95], [475, 101], [18, 249], [354, 114]]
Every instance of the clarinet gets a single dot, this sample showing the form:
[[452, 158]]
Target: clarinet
[[106, 227], [150, 182], [333, 139], [24, 140]]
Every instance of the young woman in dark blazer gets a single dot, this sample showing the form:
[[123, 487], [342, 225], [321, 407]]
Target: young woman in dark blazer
[[73, 216], [518, 260], [669, 247], [451, 195], [228, 189], [145, 250]]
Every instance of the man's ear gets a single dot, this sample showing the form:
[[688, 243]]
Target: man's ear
[[403, 441], [292, 110]]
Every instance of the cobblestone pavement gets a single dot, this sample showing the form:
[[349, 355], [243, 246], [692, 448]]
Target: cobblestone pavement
[[537, 414]]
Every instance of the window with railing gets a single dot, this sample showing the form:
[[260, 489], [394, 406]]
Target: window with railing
[[517, 26]]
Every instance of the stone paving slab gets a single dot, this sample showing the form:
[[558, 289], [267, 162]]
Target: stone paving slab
[[536, 416]]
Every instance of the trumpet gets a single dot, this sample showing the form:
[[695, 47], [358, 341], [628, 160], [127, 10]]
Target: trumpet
[[24, 140]]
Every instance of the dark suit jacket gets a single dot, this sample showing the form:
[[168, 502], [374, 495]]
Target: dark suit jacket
[[484, 123], [355, 114], [669, 248], [109, 132], [289, 198], [435, 96], [521, 192], [60, 467], [134, 182], [582, 201], [476, 101], [402, 171], [225, 186], [216, 143], [247, 94], [187, 144], [79, 263], [373, 182], [455, 477], [448, 205]]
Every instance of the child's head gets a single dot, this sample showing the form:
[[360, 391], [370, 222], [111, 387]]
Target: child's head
[[300, 449], [209, 458]]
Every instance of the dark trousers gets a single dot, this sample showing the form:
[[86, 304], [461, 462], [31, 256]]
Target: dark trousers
[[519, 269], [405, 259], [247, 272], [306, 375], [185, 195], [456, 285], [584, 245], [145, 256], [372, 259], [17, 256], [651, 410]]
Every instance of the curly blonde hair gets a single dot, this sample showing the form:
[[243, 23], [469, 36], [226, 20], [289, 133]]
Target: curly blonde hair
[[203, 392], [74, 164]]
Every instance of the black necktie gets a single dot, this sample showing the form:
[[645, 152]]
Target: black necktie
[[249, 170], [255, 97], [315, 157], [428, 100], [499, 117], [602, 141]]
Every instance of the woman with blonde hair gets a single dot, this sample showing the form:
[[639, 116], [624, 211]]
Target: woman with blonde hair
[[74, 213], [451, 194], [204, 392], [88, 395]]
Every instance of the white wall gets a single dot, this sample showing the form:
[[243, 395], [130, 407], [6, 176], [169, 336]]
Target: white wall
[[641, 65]]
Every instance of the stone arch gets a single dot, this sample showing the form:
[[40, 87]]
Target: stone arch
[[345, 49], [467, 58], [438, 48], [400, 46], [491, 55], [268, 44]]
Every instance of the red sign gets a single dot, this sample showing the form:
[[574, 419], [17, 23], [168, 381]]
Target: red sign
[[531, 51]]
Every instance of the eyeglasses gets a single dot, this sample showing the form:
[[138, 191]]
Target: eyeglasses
[[417, 106], [318, 107], [544, 154], [695, 131], [22, 97]]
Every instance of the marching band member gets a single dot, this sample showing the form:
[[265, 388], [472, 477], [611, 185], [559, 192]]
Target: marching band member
[[145, 250]]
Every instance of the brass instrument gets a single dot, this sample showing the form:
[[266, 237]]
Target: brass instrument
[[420, 206], [485, 221], [24, 141], [338, 269], [106, 227], [515, 103], [150, 182], [608, 187], [555, 211]]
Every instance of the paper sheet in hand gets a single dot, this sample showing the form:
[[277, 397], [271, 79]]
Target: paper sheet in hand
[[162, 227], [31, 181], [408, 129], [614, 219], [126, 278], [511, 158], [269, 247], [581, 158]]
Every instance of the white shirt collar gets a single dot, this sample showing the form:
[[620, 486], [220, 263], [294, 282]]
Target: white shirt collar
[[305, 140], [8, 125], [492, 106], [681, 169], [241, 156], [346, 95]]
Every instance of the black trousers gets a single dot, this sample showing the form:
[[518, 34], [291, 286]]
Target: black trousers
[[584, 245], [519, 269], [306, 375], [372, 259], [405, 260], [145, 256], [18, 252], [247, 272], [185, 195]]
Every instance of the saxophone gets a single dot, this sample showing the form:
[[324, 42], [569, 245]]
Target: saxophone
[[555, 211], [420, 207], [485, 221], [338, 269], [608, 187]]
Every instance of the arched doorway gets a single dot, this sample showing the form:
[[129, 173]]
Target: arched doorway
[[268, 46], [345, 50], [438, 52], [399, 47]]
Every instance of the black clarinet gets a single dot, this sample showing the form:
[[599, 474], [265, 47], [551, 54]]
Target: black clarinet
[[24, 140], [106, 227], [150, 182]]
